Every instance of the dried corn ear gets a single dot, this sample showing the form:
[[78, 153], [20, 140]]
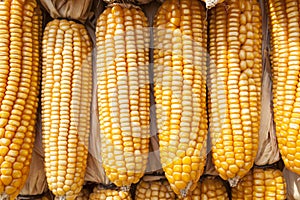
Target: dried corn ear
[[154, 190], [105, 194], [180, 91], [261, 184], [66, 98], [285, 31], [234, 84], [19, 89], [123, 92]]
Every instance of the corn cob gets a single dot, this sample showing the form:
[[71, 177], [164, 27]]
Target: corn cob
[[66, 97], [123, 92], [208, 188], [104, 194], [19, 74], [235, 86], [285, 30], [180, 91], [261, 184], [154, 190]]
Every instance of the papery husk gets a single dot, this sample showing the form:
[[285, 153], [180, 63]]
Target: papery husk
[[153, 164], [210, 167], [268, 151], [292, 184], [71, 9]]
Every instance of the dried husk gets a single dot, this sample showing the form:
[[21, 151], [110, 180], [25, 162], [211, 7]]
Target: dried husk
[[95, 172], [72, 9], [154, 164], [268, 151], [292, 184], [209, 167]]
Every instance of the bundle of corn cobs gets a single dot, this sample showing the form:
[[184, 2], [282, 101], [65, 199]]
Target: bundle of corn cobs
[[114, 85]]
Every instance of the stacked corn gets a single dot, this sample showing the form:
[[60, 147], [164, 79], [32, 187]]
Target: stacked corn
[[154, 190], [66, 97], [235, 86], [19, 89], [261, 184], [180, 91], [285, 29], [123, 92], [104, 194]]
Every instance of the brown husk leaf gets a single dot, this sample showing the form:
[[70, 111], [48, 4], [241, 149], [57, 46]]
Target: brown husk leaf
[[154, 164], [268, 152], [293, 184], [71, 9], [95, 172]]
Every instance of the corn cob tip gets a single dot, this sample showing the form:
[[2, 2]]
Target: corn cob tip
[[186, 190], [4, 196], [212, 3], [61, 198], [233, 182], [125, 188]]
